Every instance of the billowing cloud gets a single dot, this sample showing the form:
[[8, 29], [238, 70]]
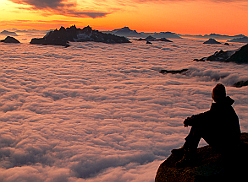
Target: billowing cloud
[[101, 112], [60, 7]]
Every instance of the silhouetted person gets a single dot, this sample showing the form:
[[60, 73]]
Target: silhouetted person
[[219, 127]]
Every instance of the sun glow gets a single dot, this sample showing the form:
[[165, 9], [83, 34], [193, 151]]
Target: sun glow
[[191, 17]]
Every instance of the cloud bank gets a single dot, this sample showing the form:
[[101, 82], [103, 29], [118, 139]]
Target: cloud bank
[[100, 112]]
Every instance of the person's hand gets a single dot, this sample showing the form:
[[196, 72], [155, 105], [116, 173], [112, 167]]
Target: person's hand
[[186, 122]]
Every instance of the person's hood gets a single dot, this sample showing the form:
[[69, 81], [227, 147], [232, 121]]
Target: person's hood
[[225, 102]]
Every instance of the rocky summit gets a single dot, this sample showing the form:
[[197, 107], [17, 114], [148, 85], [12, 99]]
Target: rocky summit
[[73, 34], [211, 41], [211, 165], [9, 39]]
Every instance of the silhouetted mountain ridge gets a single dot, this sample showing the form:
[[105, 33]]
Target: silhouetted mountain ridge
[[126, 31], [73, 34]]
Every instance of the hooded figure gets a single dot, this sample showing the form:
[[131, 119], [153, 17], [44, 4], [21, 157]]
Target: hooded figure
[[219, 127]]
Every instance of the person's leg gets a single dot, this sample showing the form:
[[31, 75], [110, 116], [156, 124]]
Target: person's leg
[[193, 138], [188, 151], [191, 142]]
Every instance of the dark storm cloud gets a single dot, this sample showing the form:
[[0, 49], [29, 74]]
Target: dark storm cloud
[[45, 4], [60, 7]]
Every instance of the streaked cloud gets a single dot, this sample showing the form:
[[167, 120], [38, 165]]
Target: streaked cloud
[[93, 9], [60, 7]]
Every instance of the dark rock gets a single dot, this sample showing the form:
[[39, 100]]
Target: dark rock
[[211, 166], [148, 42], [241, 84], [238, 56], [220, 55], [201, 60], [73, 34], [174, 71], [165, 40], [9, 39], [151, 38], [226, 44], [43, 41], [211, 41]]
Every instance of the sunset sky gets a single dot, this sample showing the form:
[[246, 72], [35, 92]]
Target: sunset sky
[[178, 16]]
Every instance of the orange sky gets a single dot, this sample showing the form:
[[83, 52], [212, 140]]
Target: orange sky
[[178, 16]]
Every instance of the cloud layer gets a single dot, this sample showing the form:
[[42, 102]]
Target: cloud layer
[[99, 112]]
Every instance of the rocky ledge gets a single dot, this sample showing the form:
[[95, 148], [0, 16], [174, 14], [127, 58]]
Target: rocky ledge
[[73, 34], [211, 166], [237, 56], [9, 39]]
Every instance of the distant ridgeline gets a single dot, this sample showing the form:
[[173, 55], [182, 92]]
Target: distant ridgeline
[[73, 34], [127, 32]]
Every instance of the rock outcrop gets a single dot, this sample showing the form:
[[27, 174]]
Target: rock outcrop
[[237, 56], [151, 38], [241, 84], [211, 166], [73, 34], [165, 40], [211, 41], [9, 39], [174, 71]]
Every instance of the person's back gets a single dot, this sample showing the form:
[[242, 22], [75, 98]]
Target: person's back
[[222, 125], [219, 126]]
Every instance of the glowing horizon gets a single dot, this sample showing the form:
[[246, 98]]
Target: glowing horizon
[[178, 16]]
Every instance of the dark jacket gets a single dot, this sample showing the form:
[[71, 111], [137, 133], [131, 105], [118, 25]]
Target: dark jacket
[[220, 125]]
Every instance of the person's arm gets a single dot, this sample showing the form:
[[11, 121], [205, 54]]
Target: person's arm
[[197, 119]]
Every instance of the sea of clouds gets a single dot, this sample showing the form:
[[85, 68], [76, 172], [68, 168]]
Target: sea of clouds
[[102, 112]]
